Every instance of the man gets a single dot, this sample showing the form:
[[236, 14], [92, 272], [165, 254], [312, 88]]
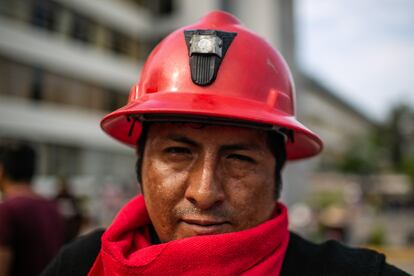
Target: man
[[70, 209], [31, 228], [212, 120]]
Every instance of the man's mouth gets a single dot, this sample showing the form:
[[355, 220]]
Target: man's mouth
[[205, 226]]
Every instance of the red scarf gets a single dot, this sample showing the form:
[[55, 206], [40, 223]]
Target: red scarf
[[127, 250]]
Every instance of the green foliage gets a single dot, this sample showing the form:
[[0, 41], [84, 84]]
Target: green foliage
[[355, 163], [365, 156], [408, 167], [388, 148], [377, 236], [324, 199]]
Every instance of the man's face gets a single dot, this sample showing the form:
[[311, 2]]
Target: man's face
[[208, 180]]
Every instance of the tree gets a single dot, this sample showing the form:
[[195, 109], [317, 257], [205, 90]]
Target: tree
[[389, 147]]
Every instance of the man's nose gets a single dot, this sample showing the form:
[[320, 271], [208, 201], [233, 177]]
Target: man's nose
[[204, 188]]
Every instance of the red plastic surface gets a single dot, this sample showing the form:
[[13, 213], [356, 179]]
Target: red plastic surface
[[253, 84]]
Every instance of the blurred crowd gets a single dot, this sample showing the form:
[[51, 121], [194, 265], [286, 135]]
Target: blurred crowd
[[32, 227]]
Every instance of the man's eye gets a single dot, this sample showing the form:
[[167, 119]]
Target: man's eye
[[240, 157], [177, 150]]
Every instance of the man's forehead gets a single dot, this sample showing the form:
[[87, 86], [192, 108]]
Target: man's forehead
[[201, 128], [174, 131]]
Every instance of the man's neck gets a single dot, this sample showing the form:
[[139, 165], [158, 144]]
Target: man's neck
[[19, 189], [153, 235]]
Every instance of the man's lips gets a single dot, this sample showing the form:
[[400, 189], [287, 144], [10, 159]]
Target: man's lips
[[201, 226], [203, 222]]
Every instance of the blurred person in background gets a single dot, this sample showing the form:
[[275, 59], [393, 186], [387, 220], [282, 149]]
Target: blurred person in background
[[213, 122], [31, 228], [69, 207]]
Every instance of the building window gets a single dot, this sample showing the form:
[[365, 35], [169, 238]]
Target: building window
[[163, 7], [16, 80], [44, 14], [61, 160], [115, 100], [157, 7], [120, 43], [8, 8], [36, 92], [81, 28], [138, 49]]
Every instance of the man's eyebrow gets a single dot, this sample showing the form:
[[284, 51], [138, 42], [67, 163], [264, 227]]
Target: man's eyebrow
[[241, 146], [229, 147], [182, 139]]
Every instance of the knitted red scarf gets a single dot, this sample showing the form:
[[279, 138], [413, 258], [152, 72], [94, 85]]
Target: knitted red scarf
[[127, 250]]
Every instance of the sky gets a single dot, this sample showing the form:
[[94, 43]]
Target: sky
[[363, 50]]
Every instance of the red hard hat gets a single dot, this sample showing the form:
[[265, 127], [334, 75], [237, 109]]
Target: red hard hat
[[214, 71]]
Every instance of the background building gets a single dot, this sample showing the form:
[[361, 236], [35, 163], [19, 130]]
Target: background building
[[64, 64]]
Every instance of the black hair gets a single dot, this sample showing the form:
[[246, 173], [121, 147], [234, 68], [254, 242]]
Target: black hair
[[140, 152], [275, 142], [18, 161]]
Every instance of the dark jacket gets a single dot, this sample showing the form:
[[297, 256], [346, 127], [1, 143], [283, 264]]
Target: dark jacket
[[302, 258]]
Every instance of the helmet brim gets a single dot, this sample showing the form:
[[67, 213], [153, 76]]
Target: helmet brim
[[118, 124]]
